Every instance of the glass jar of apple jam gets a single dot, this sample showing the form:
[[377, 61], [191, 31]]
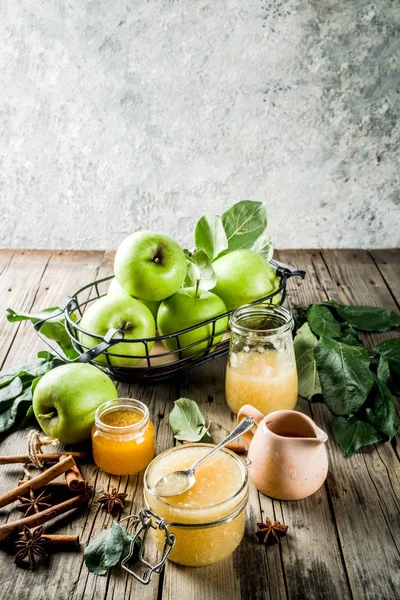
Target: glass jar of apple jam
[[122, 437], [209, 519]]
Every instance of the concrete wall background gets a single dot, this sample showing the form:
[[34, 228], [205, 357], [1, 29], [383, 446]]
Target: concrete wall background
[[122, 115]]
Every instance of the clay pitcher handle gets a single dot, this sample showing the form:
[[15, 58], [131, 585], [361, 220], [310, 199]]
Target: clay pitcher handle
[[249, 411]]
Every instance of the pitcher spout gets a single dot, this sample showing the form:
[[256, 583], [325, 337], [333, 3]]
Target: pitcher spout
[[321, 436]]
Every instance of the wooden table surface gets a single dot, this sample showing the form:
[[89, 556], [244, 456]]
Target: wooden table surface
[[343, 542]]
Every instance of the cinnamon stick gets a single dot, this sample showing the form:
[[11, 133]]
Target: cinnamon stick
[[48, 457], [74, 478], [55, 484], [238, 448], [61, 540], [6, 531], [38, 481]]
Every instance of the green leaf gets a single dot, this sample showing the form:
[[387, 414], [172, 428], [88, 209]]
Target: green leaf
[[263, 246], [383, 370], [199, 270], [381, 410], [187, 422], [105, 550], [16, 389], [127, 547], [367, 318], [348, 335], [389, 351], [244, 223], [322, 321], [352, 434], [304, 344], [344, 375], [14, 412], [10, 391], [210, 236], [53, 329]]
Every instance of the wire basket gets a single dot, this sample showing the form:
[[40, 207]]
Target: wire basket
[[155, 362]]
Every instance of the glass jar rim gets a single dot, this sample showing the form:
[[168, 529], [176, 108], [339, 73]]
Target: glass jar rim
[[121, 403], [281, 315], [194, 509]]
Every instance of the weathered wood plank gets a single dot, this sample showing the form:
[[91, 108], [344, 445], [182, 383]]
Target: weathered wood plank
[[362, 498], [388, 264]]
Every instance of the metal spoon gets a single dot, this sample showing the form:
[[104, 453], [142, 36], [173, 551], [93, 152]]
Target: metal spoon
[[177, 482]]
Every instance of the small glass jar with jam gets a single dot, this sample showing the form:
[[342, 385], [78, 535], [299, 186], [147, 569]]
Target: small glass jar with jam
[[122, 437]]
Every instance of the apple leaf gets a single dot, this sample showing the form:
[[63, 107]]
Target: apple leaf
[[366, 318], [53, 328], [263, 246], [381, 409], [244, 223], [105, 550], [16, 389], [389, 363], [344, 375], [304, 344], [210, 236], [354, 433], [322, 321], [200, 271], [187, 422]]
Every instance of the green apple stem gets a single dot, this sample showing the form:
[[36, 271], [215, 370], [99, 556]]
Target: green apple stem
[[47, 416], [197, 288], [126, 326]]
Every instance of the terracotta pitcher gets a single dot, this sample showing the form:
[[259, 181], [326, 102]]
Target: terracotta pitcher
[[288, 454]]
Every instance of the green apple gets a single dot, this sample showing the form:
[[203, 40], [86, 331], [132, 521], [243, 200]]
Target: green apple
[[150, 266], [125, 313], [186, 308], [152, 305], [66, 398], [244, 276]]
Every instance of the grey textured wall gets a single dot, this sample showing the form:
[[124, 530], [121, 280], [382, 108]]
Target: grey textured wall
[[117, 115]]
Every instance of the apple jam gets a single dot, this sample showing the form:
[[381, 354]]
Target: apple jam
[[122, 437], [208, 520]]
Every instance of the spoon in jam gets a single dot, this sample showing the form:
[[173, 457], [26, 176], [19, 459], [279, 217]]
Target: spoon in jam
[[178, 482]]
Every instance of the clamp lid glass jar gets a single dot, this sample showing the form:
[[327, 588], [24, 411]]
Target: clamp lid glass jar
[[261, 368], [208, 520], [122, 437]]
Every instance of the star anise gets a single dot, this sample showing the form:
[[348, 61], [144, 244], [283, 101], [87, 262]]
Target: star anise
[[109, 501], [31, 544], [32, 504], [269, 533]]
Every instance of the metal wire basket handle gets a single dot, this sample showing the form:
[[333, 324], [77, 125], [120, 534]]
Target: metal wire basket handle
[[112, 337]]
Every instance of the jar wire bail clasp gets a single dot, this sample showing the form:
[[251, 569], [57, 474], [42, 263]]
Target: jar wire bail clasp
[[142, 523]]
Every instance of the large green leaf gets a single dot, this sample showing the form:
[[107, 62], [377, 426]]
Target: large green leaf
[[322, 321], [389, 351], [344, 375], [381, 410], [244, 223], [210, 236], [304, 344], [367, 318], [352, 434]]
